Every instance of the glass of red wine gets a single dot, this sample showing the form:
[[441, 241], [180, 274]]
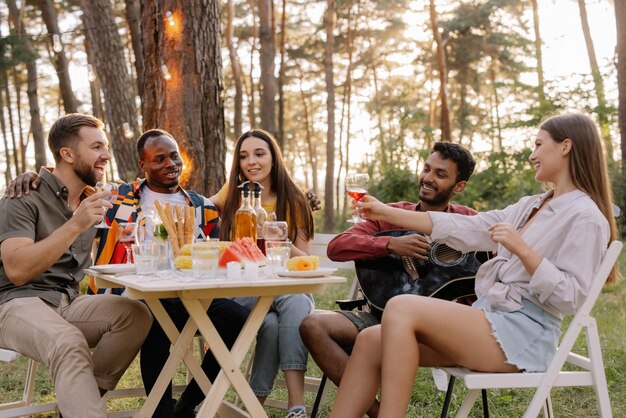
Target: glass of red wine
[[126, 237], [106, 187], [356, 187]]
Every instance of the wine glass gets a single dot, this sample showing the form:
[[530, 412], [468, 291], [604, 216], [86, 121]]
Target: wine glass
[[356, 187], [106, 187], [126, 236], [274, 231]]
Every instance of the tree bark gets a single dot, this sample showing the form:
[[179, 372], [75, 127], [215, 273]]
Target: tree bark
[[60, 63], [236, 69], [134, 27], [308, 137], [15, 140], [329, 204], [95, 89], [620, 21], [188, 105], [119, 106], [346, 102], [23, 140], [538, 53], [267, 52], [281, 76], [31, 69], [253, 47], [443, 75], [7, 156], [597, 80]]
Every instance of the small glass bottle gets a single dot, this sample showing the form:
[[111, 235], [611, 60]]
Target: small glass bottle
[[245, 217], [261, 216]]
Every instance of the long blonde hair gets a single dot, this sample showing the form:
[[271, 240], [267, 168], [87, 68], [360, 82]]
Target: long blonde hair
[[587, 163]]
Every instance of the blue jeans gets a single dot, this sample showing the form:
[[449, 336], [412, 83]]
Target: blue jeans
[[278, 343]]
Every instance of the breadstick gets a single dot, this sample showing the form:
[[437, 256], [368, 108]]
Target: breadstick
[[169, 227], [180, 225], [190, 223]]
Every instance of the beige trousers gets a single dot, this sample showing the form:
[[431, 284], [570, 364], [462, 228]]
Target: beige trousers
[[61, 337]]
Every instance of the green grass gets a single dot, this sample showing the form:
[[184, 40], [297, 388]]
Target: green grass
[[609, 311]]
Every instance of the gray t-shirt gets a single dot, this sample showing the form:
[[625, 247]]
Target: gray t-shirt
[[36, 216]]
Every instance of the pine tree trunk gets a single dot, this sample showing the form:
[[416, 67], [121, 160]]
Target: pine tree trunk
[[309, 141], [133, 19], [620, 19], [16, 143], [281, 76], [189, 104], [329, 205], [119, 105], [35, 118], [344, 161], [236, 69], [597, 80], [23, 139], [31, 69], [538, 53], [443, 75], [267, 52], [94, 85], [60, 63], [7, 156]]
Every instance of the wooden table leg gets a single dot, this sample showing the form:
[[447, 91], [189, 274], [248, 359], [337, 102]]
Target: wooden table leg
[[180, 350], [230, 362]]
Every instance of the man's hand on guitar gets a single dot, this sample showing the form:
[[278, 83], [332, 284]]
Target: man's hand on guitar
[[414, 245]]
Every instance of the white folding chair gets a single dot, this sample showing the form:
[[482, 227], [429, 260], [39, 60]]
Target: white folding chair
[[23, 407], [592, 367]]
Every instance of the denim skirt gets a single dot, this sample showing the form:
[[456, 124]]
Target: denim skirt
[[528, 337]]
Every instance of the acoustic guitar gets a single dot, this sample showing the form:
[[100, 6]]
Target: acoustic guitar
[[446, 274]]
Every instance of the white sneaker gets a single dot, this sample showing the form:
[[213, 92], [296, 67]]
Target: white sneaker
[[297, 413]]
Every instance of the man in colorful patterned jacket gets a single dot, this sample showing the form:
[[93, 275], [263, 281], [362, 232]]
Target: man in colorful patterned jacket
[[162, 165]]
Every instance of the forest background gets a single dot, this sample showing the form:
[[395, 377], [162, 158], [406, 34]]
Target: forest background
[[345, 85]]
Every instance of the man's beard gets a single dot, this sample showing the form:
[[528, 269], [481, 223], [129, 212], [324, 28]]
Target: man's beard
[[85, 173], [440, 197]]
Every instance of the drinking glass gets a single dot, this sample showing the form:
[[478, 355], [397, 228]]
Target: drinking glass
[[145, 255], [106, 187], [275, 230], [204, 261], [356, 187], [278, 252], [126, 236]]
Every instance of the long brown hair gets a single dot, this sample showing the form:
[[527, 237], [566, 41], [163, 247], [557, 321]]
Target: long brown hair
[[291, 202], [587, 163]]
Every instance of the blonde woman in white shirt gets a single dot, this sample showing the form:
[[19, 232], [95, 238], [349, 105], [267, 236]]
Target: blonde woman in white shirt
[[547, 248]]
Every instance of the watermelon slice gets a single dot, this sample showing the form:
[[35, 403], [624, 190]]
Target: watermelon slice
[[229, 254], [243, 249], [252, 251]]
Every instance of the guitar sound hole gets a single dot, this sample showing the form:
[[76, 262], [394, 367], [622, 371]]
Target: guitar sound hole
[[446, 256]]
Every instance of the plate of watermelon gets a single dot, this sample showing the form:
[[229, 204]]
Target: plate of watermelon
[[241, 250]]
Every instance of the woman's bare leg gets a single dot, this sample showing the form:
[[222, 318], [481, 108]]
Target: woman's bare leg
[[295, 387], [455, 334], [361, 379]]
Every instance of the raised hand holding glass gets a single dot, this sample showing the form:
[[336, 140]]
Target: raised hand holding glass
[[356, 187], [106, 187]]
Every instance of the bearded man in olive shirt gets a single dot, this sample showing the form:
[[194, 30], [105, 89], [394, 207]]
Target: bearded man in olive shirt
[[45, 243], [330, 335]]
